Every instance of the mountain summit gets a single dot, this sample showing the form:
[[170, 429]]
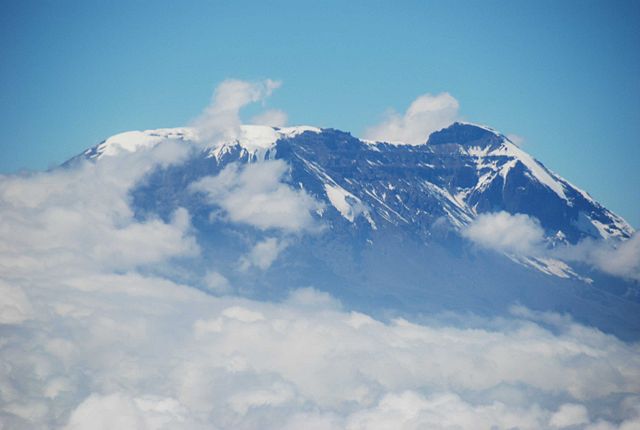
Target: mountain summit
[[392, 221]]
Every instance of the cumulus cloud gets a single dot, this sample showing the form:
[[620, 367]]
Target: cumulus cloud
[[263, 254], [425, 115], [271, 117], [220, 121], [502, 231], [254, 194]]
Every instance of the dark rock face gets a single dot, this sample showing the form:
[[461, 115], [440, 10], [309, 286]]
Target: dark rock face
[[420, 184], [465, 134]]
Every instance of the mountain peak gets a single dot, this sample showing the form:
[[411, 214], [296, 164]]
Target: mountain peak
[[466, 134]]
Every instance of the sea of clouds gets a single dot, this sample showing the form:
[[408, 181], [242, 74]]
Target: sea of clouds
[[93, 336]]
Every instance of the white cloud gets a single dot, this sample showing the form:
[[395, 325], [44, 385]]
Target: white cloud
[[254, 194], [97, 343], [275, 395], [501, 231], [410, 410], [15, 307], [130, 350], [569, 415], [79, 218], [271, 117], [118, 411], [217, 283], [263, 254], [90, 340], [521, 234], [425, 115], [616, 258], [220, 121]]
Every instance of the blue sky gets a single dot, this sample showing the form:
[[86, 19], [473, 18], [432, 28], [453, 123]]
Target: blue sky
[[563, 75]]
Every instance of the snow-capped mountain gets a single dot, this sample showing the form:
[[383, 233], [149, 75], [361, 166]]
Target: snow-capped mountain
[[460, 172], [392, 216]]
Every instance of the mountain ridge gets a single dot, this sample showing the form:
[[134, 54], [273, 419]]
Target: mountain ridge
[[496, 157]]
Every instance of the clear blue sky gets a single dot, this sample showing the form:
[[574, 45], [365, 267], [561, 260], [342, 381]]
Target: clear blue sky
[[565, 75]]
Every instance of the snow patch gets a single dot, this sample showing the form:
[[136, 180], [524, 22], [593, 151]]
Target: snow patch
[[540, 173], [346, 203], [132, 141], [256, 139]]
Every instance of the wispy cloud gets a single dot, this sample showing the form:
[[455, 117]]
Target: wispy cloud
[[220, 121], [271, 117], [616, 258], [425, 115], [521, 234]]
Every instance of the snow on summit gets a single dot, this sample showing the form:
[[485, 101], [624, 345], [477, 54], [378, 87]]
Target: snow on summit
[[479, 168], [253, 138]]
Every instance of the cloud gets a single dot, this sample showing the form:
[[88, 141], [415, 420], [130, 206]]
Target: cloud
[[410, 410], [15, 307], [254, 194], [522, 235], [272, 117], [217, 283], [619, 258], [425, 115], [118, 411], [220, 121], [99, 342], [501, 231], [79, 218], [263, 254], [130, 350], [569, 415], [94, 337]]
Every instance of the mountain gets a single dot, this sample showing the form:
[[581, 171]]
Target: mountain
[[393, 218]]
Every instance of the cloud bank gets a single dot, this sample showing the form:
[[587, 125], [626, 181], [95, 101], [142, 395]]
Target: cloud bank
[[134, 351], [426, 114]]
